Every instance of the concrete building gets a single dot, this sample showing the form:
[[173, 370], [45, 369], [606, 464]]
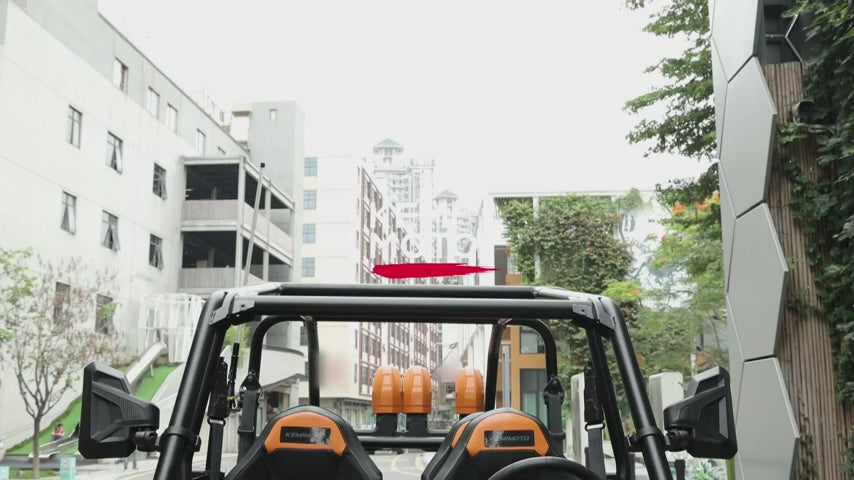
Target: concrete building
[[349, 227], [103, 157], [410, 184], [454, 231]]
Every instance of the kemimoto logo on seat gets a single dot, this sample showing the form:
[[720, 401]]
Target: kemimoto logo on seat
[[307, 435], [508, 438]]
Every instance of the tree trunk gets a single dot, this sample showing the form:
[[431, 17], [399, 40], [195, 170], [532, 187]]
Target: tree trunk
[[36, 428]]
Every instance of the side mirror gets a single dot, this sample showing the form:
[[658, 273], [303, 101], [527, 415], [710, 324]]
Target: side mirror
[[703, 422], [111, 415]]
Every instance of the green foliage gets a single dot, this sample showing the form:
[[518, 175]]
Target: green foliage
[[629, 202], [676, 314], [575, 237], [823, 200], [688, 125]]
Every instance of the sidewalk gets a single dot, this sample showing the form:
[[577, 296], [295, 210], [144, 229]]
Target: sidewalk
[[109, 470]]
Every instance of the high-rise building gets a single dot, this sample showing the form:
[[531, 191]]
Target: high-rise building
[[454, 230], [410, 186], [349, 227], [104, 157]]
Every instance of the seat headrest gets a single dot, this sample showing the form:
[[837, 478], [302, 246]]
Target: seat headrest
[[417, 391], [306, 428], [469, 391], [506, 429], [387, 396]]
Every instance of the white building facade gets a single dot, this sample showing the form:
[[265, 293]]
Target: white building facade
[[410, 184], [350, 226], [103, 157]]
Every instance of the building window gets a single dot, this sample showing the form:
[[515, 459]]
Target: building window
[[69, 213], [310, 167], [309, 231], [308, 266], [104, 315], [120, 75], [309, 200], [274, 114], [303, 337], [75, 122], [159, 184], [220, 151], [172, 117], [531, 385], [60, 300], [114, 152], [155, 252], [153, 103], [200, 142], [530, 341], [110, 231]]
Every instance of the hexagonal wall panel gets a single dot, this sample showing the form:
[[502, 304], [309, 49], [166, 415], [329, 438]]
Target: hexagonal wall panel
[[765, 425], [736, 359], [736, 32], [757, 283], [748, 133], [720, 82], [727, 224]]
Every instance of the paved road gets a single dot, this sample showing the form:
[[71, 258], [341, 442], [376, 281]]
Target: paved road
[[405, 466]]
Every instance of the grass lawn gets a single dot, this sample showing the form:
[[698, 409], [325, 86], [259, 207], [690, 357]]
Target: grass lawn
[[20, 473], [147, 388]]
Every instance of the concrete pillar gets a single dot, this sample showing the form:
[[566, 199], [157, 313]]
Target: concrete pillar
[[664, 389], [238, 244], [577, 432]]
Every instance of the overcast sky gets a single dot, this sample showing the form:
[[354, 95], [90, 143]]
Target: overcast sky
[[506, 96]]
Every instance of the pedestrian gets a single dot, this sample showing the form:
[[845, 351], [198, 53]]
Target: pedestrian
[[134, 454], [58, 433]]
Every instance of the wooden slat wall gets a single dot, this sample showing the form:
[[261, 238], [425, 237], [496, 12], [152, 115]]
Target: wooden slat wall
[[804, 349]]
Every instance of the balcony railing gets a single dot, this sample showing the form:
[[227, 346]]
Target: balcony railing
[[275, 235], [202, 213], [210, 210], [211, 278]]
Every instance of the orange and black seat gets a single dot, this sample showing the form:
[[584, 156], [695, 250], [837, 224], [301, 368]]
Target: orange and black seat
[[468, 396], [446, 446], [493, 440], [306, 442]]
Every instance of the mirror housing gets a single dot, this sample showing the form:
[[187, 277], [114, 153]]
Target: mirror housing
[[110, 415], [703, 422]]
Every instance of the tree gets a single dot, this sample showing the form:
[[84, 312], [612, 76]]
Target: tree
[[688, 126], [576, 241], [49, 316], [691, 307]]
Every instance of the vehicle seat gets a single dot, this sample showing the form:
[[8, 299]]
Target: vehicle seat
[[306, 442], [493, 440], [445, 447], [468, 399]]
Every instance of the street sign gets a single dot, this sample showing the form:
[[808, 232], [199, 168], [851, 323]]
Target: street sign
[[4, 473], [67, 468]]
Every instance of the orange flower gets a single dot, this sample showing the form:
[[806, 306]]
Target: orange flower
[[635, 291], [717, 196], [678, 208]]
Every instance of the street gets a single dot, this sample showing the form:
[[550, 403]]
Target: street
[[394, 467]]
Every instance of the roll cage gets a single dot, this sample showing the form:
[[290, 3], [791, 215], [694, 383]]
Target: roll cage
[[203, 381]]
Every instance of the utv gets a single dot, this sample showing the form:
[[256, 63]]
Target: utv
[[486, 443]]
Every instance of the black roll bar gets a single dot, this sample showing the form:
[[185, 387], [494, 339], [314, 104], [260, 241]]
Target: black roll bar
[[383, 302]]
